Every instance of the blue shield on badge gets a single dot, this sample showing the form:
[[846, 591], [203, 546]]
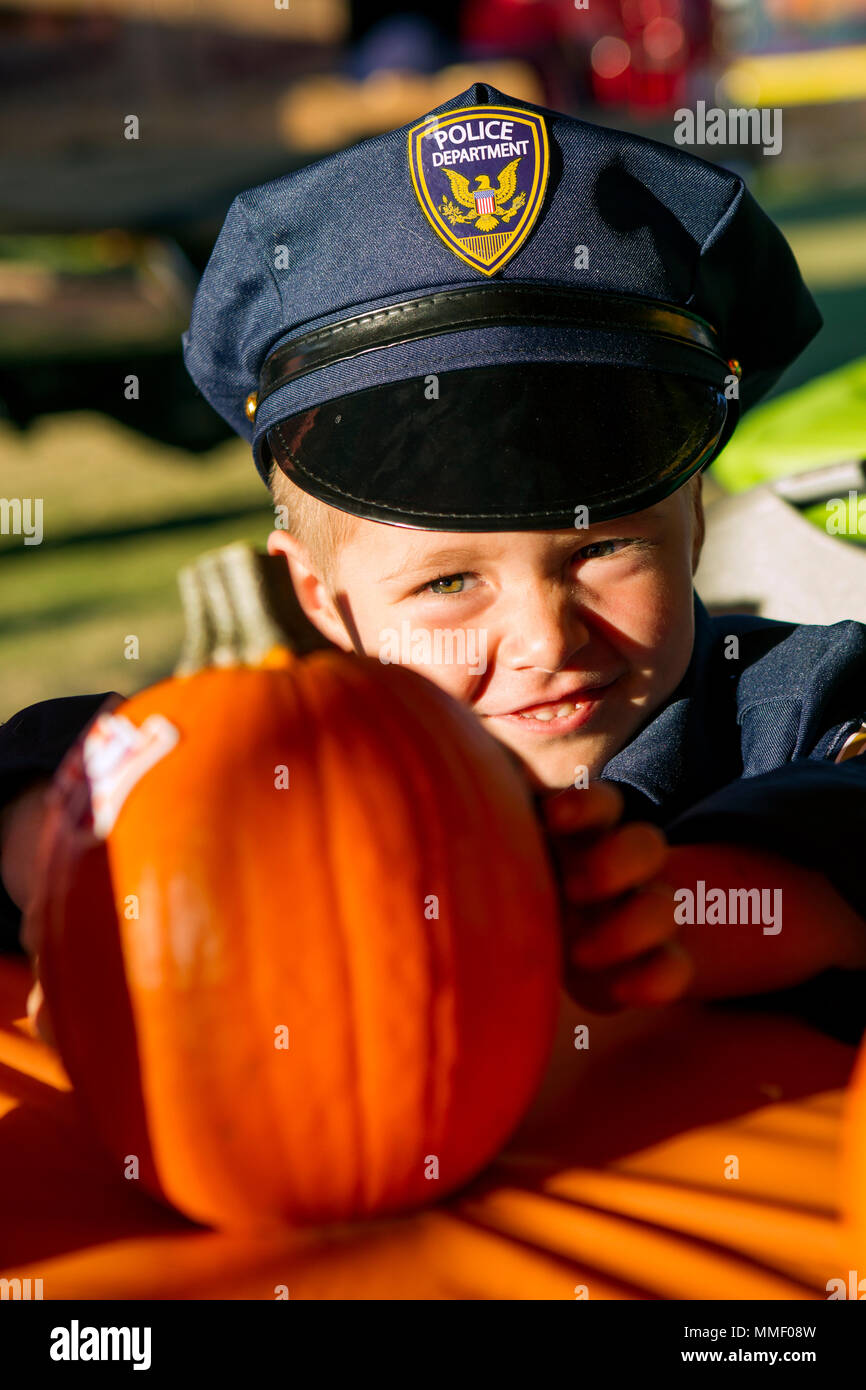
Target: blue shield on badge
[[480, 174]]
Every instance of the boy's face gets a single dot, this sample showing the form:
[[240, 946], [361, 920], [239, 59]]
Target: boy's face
[[564, 643]]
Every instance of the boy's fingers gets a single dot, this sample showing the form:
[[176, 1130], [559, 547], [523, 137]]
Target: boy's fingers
[[660, 978], [27, 934], [624, 930], [593, 989], [596, 807], [37, 1013], [622, 859]]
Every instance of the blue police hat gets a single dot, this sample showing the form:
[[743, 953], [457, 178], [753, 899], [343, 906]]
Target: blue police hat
[[494, 315]]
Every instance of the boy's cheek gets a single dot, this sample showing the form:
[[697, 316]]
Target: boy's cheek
[[460, 682], [431, 656]]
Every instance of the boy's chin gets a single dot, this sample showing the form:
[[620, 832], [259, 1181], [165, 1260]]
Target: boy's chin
[[561, 763]]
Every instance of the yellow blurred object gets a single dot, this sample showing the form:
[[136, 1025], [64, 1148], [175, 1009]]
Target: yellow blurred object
[[831, 251], [24, 282], [796, 79], [327, 112], [323, 21]]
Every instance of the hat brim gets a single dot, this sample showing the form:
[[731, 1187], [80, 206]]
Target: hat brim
[[511, 447]]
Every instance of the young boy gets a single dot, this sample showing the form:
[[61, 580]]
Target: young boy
[[482, 362]]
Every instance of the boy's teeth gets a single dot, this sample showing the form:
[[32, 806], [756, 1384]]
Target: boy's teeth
[[546, 712]]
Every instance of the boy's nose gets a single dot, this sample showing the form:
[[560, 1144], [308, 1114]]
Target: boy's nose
[[544, 630]]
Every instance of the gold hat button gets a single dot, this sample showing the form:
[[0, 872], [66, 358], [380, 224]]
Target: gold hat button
[[250, 404]]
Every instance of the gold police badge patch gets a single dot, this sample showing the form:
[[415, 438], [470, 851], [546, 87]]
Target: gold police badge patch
[[480, 175]]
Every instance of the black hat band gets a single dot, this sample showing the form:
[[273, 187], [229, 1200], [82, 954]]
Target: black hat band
[[452, 311]]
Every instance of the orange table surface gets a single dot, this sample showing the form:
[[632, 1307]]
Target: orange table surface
[[613, 1187]]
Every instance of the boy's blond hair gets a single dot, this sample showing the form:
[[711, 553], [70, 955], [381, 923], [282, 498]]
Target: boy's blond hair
[[322, 529]]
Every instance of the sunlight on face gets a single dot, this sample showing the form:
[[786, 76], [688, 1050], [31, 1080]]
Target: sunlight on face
[[521, 626]]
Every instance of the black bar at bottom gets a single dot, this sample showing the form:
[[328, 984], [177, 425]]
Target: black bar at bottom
[[56, 1340]]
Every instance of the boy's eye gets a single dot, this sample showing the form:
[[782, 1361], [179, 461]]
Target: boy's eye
[[586, 552], [447, 584]]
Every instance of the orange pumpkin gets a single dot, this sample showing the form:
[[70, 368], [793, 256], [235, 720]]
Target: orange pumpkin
[[853, 1170], [299, 933]]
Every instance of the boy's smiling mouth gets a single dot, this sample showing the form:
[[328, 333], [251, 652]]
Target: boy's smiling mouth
[[560, 716]]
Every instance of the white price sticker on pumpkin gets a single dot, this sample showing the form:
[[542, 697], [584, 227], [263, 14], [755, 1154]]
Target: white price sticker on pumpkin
[[117, 754]]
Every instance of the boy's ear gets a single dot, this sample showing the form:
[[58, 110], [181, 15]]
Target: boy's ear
[[312, 592], [699, 529]]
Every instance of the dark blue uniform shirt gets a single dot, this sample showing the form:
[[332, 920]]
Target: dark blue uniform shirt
[[743, 751]]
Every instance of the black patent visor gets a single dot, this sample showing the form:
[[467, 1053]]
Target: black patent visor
[[509, 447]]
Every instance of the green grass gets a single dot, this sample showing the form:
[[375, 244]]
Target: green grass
[[68, 605]]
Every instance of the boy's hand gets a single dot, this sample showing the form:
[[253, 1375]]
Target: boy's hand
[[620, 934], [20, 826], [810, 927], [623, 943]]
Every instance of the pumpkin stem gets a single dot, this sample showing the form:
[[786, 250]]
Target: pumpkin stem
[[240, 609]]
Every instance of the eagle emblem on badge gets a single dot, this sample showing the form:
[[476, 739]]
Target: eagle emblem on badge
[[480, 174], [484, 201]]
